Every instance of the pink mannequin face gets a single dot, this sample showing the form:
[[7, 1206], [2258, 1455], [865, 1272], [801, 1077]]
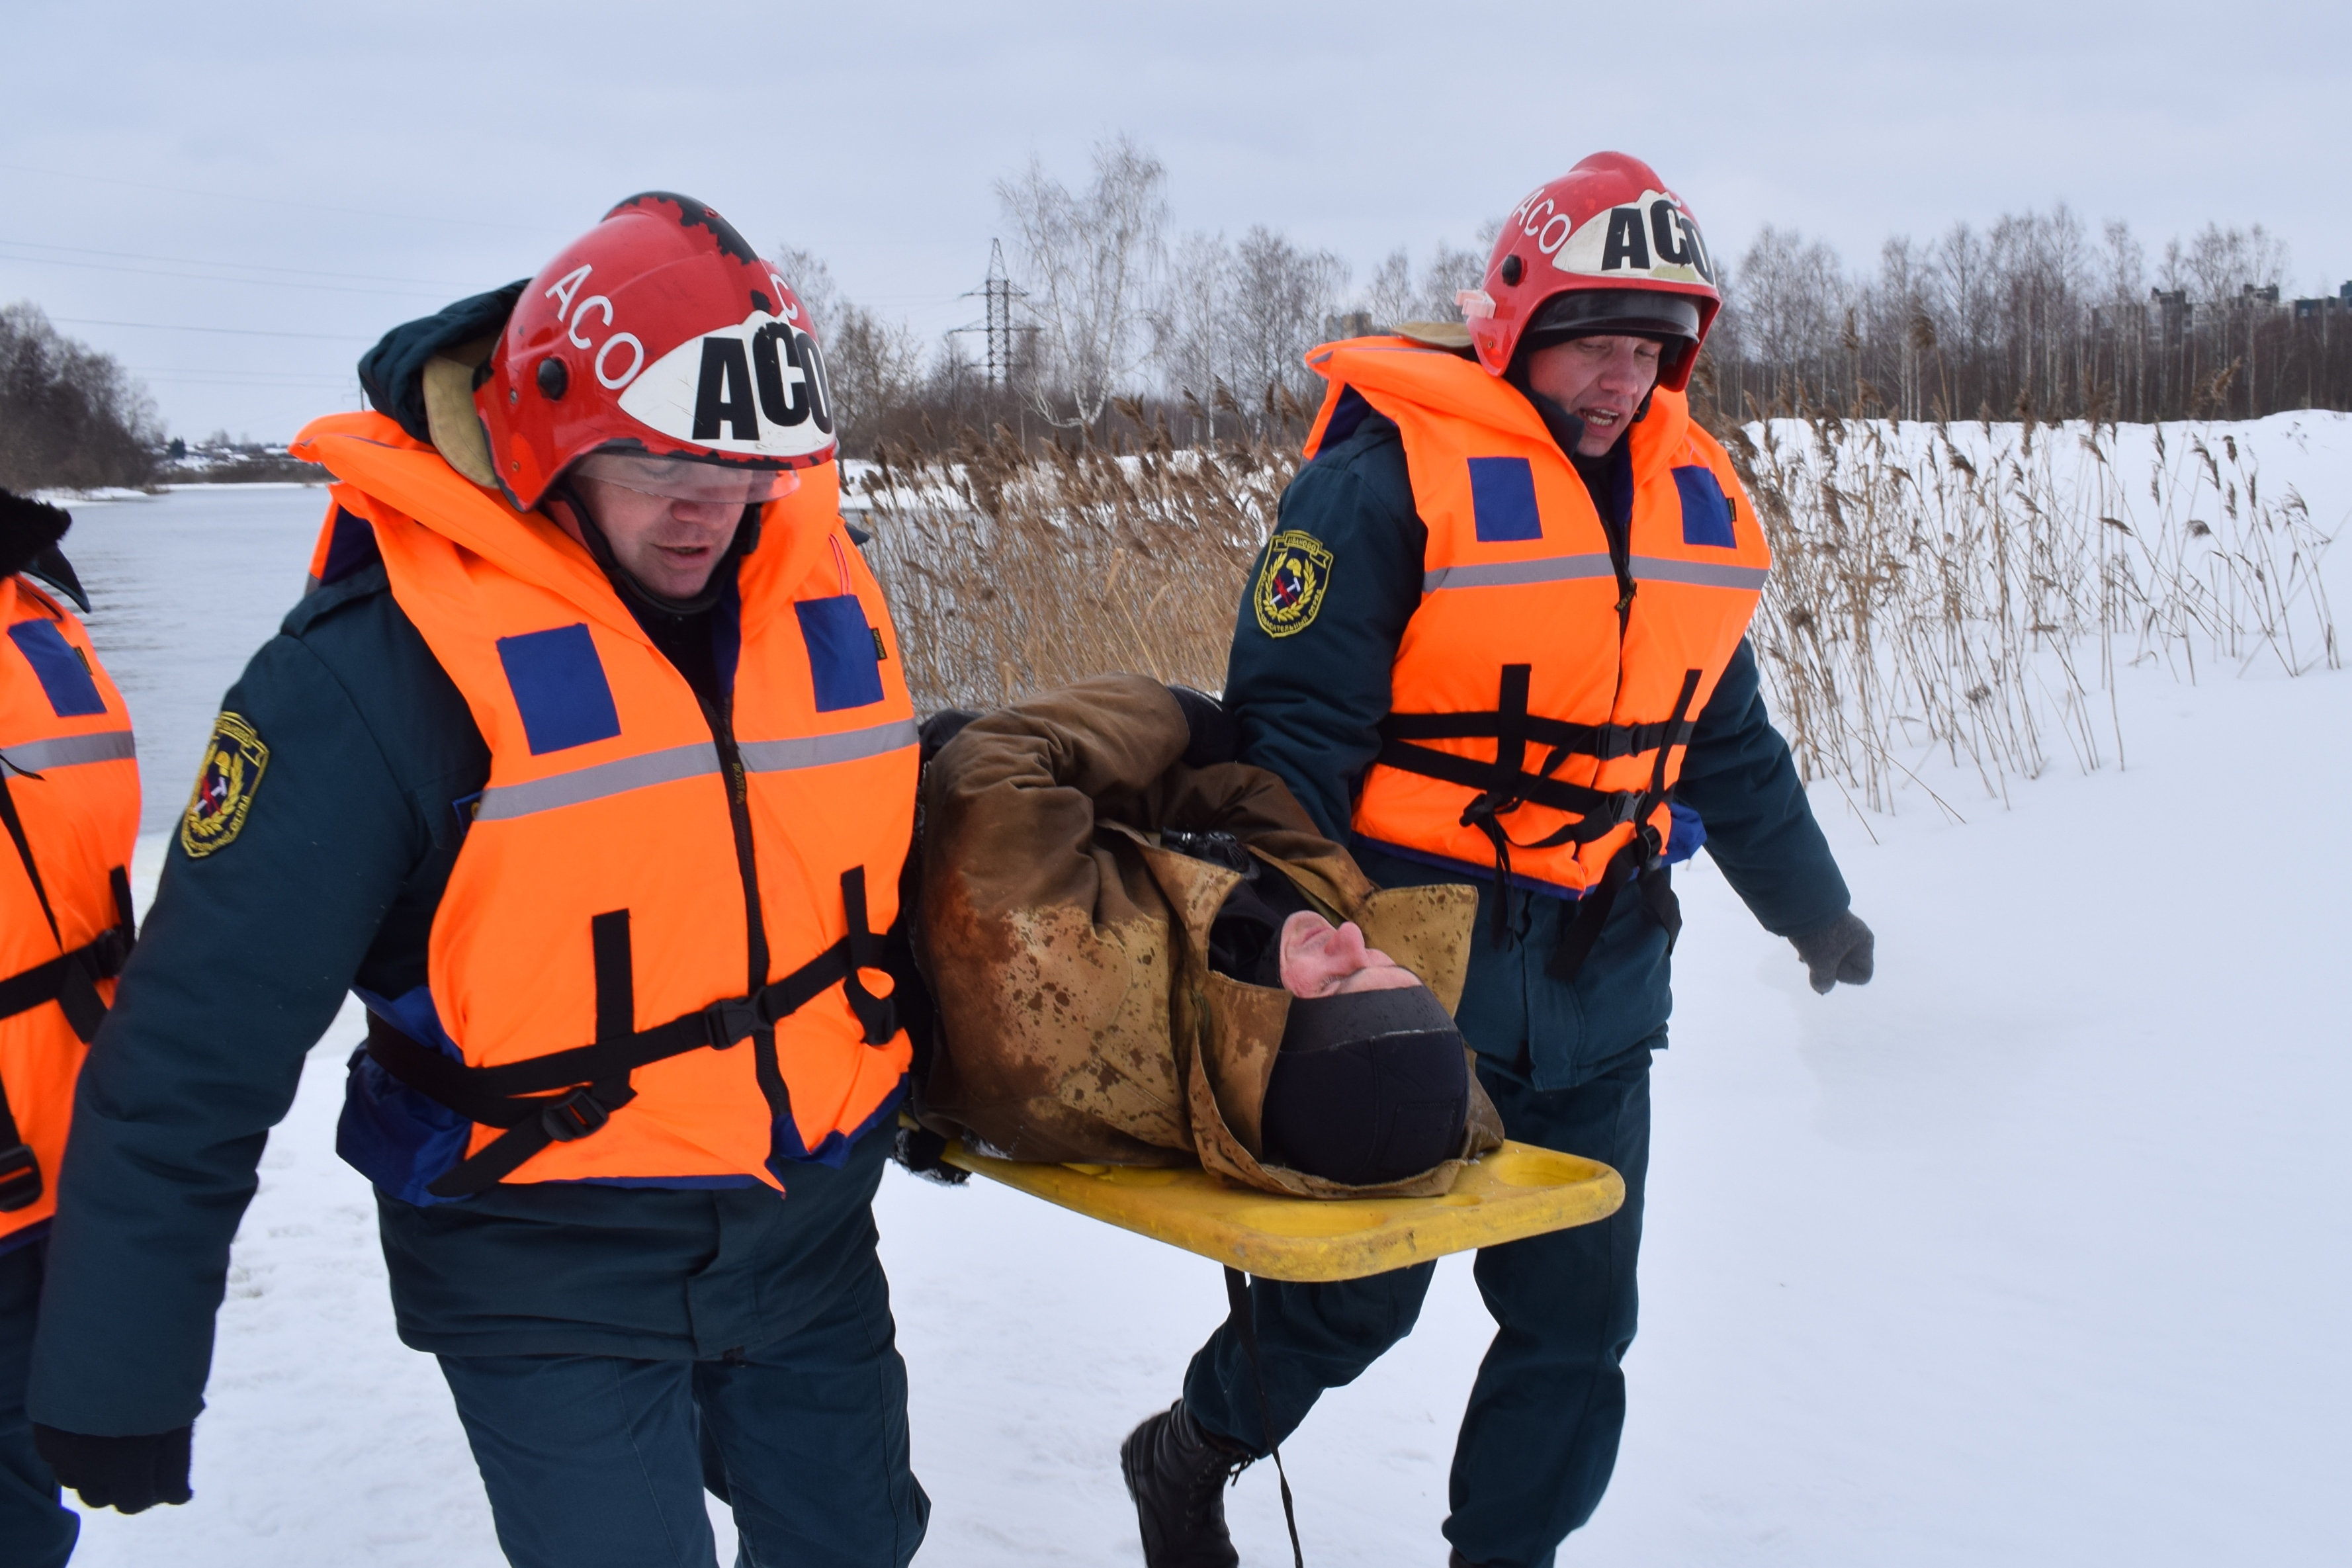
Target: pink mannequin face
[[1318, 960]]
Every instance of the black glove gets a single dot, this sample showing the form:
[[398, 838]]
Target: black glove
[[942, 727], [1215, 738], [132, 1474], [1838, 950], [919, 1149], [30, 528]]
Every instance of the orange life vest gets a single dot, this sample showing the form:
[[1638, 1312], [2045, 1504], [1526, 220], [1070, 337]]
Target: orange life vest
[[69, 798], [1539, 704], [609, 1006]]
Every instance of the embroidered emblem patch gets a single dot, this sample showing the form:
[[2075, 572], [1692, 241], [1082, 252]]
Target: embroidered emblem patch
[[1291, 585], [234, 759]]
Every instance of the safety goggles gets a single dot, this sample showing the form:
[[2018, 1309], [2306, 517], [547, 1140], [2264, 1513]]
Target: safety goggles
[[683, 478]]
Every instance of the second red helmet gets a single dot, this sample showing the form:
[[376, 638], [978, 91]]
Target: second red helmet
[[659, 333], [1605, 248]]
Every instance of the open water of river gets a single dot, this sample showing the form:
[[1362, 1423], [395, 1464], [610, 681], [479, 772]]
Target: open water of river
[[184, 586]]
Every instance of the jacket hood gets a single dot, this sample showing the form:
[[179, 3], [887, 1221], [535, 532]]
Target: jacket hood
[[393, 373]]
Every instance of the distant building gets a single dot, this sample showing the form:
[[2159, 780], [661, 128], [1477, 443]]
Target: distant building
[[2335, 304], [1348, 325], [2172, 314]]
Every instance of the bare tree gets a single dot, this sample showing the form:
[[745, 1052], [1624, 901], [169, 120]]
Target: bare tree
[[1189, 324], [1389, 297], [812, 279], [2124, 265], [1280, 294], [68, 414], [1395, 295], [2219, 265], [1091, 259], [1791, 298], [873, 367], [1451, 269]]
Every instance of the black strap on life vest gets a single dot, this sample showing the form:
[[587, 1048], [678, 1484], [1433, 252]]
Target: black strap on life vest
[[1642, 860], [569, 1094], [1504, 784], [70, 980]]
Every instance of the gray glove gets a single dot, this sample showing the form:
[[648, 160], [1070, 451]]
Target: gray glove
[[1838, 950]]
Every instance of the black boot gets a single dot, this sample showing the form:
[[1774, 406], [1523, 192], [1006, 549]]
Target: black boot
[[1176, 1473]]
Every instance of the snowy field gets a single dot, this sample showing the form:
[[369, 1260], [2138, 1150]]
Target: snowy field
[[2034, 1252]]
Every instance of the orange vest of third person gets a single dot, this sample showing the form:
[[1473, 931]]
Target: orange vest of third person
[[655, 953], [69, 798], [1539, 704]]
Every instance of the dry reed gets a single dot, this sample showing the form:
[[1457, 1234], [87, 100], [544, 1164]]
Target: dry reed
[[1967, 591], [1971, 589], [1010, 572]]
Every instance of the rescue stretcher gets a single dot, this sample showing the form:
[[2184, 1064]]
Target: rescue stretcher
[[1518, 1191]]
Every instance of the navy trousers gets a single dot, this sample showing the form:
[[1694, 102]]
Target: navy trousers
[[1540, 1437], [35, 1531], [601, 1461]]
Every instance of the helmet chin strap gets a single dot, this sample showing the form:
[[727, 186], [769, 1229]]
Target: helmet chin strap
[[746, 534]]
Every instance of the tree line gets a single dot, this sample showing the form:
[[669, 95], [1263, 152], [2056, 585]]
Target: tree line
[[1201, 336], [1116, 322], [1116, 329], [2034, 317], [69, 417]]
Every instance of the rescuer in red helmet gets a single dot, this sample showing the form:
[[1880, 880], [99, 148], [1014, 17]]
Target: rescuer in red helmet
[[586, 766], [1499, 636]]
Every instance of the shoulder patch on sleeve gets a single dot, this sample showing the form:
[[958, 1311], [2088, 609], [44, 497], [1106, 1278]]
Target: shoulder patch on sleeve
[[1292, 582], [234, 760]]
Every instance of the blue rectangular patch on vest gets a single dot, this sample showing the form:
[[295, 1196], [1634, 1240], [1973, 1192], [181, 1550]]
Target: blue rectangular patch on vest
[[1706, 511], [842, 665], [72, 693], [1503, 500], [558, 684]]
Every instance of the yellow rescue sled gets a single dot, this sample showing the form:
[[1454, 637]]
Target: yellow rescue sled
[[1515, 1192]]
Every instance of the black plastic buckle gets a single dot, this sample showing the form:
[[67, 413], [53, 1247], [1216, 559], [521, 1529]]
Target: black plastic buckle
[[1487, 806], [109, 952], [575, 1116], [731, 1021], [20, 1179]]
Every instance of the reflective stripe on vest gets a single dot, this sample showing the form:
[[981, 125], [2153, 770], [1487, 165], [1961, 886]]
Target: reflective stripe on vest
[[600, 928], [69, 803], [691, 761], [1530, 737], [1576, 568]]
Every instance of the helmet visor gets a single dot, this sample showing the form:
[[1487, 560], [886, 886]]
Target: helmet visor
[[1603, 313], [683, 478]]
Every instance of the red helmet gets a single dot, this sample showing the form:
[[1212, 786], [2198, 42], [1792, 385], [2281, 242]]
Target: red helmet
[[659, 334], [1606, 248]]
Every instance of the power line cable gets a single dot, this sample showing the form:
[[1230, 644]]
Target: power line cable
[[197, 278], [240, 266], [268, 201], [231, 331]]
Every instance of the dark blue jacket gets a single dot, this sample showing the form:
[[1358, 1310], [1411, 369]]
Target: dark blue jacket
[[1309, 706], [247, 953]]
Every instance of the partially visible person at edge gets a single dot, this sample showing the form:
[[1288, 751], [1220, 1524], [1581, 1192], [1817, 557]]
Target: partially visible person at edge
[[1500, 634], [585, 764], [70, 800]]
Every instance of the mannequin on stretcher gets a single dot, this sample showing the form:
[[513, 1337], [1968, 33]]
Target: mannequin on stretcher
[[1142, 954]]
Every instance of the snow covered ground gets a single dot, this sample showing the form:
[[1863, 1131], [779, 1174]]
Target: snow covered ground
[[2033, 1252]]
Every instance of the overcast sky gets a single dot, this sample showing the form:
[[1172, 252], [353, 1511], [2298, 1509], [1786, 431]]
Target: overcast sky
[[323, 171]]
